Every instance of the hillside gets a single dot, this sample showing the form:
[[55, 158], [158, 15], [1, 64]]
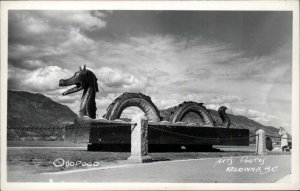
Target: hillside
[[26, 109]]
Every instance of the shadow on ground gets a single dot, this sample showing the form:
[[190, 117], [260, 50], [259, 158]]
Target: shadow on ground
[[153, 148]]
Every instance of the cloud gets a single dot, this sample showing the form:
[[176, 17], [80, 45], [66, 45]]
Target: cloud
[[201, 73], [76, 42], [274, 68], [39, 80], [130, 112], [261, 117], [41, 22], [114, 81], [116, 78], [47, 39], [258, 116], [167, 66], [163, 103], [79, 19], [209, 100]]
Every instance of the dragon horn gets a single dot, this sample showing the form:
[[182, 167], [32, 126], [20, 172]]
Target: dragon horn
[[84, 67]]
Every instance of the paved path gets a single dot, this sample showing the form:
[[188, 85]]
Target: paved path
[[269, 168]]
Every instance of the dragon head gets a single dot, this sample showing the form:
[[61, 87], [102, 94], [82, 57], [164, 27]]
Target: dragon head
[[222, 109], [82, 79]]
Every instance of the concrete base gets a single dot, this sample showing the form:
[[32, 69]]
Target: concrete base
[[261, 153], [139, 159]]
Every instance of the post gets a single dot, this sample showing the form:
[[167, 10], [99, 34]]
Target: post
[[139, 140], [260, 142]]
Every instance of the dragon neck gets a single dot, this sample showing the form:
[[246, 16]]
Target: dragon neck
[[88, 104], [226, 122]]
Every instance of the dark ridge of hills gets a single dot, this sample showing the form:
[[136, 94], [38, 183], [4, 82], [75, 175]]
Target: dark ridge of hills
[[25, 109]]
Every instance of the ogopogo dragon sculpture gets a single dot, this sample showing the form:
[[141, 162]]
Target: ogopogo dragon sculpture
[[86, 80]]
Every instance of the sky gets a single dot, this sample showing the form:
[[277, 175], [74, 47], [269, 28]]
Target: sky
[[240, 59]]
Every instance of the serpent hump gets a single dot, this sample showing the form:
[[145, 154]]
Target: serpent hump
[[186, 107], [226, 122], [128, 99]]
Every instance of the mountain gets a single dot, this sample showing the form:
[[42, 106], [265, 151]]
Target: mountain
[[25, 109]]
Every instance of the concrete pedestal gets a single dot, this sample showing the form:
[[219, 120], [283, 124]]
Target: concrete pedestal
[[261, 142], [139, 140]]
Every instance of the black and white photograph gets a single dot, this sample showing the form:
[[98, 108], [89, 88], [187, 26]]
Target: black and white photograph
[[149, 95]]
